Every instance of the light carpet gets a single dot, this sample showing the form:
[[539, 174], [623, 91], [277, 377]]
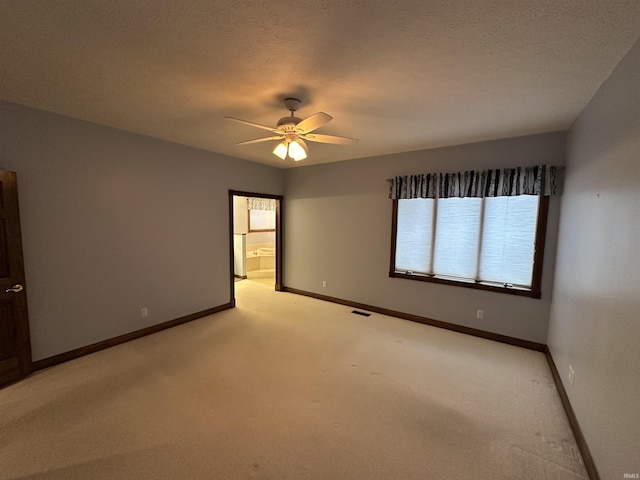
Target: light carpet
[[290, 387]]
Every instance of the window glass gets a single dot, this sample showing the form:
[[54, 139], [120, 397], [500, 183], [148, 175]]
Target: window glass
[[262, 220], [457, 237], [413, 243], [485, 241], [508, 240]]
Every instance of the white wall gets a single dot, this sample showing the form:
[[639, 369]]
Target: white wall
[[113, 221], [595, 314], [338, 229]]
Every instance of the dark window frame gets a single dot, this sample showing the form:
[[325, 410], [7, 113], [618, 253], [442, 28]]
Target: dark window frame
[[536, 280]]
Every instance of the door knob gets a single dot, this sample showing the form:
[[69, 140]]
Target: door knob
[[15, 289]]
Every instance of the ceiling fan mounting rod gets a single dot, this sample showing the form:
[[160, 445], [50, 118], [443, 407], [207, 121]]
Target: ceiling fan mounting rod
[[292, 104]]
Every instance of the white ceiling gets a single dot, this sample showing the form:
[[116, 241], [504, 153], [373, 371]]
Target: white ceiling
[[399, 75]]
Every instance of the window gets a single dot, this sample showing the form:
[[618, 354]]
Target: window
[[262, 221], [261, 214], [492, 243]]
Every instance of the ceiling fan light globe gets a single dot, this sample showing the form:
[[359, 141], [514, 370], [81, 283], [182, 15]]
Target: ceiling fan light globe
[[296, 151], [281, 150]]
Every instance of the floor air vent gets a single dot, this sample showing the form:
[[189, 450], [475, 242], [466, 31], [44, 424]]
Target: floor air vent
[[358, 312]]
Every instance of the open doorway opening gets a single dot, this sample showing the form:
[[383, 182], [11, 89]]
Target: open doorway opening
[[256, 238]]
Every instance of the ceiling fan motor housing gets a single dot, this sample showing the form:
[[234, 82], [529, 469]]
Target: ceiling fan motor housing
[[293, 121]]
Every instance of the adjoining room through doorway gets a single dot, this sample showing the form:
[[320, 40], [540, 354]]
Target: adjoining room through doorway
[[256, 238]]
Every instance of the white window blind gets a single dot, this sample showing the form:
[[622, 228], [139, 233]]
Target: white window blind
[[508, 240], [489, 239], [414, 232], [457, 237]]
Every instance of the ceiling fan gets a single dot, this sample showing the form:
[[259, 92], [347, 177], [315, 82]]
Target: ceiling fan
[[291, 132]]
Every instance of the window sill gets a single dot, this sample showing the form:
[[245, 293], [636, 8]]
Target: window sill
[[467, 284]]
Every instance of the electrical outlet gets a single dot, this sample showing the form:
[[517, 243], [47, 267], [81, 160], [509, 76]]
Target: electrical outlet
[[144, 312], [324, 284], [479, 313]]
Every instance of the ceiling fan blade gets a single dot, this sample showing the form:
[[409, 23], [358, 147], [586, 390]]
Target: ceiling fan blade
[[251, 124], [316, 137], [258, 140], [312, 122]]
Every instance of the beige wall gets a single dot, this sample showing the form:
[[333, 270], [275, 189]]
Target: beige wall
[[114, 221], [595, 314], [338, 229], [240, 215]]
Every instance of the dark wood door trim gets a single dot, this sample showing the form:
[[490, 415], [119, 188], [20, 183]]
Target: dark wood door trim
[[279, 236]]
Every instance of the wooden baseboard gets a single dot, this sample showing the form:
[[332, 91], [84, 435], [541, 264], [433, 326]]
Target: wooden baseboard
[[589, 464], [79, 352], [241, 277], [518, 342]]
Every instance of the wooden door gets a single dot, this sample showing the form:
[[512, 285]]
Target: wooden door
[[15, 346]]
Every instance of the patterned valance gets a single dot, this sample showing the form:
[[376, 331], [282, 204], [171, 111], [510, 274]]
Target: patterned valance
[[536, 180], [255, 203]]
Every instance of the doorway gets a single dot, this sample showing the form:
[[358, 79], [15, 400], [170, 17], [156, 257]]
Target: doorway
[[255, 221]]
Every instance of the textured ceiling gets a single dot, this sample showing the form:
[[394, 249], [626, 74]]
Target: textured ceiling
[[399, 75]]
